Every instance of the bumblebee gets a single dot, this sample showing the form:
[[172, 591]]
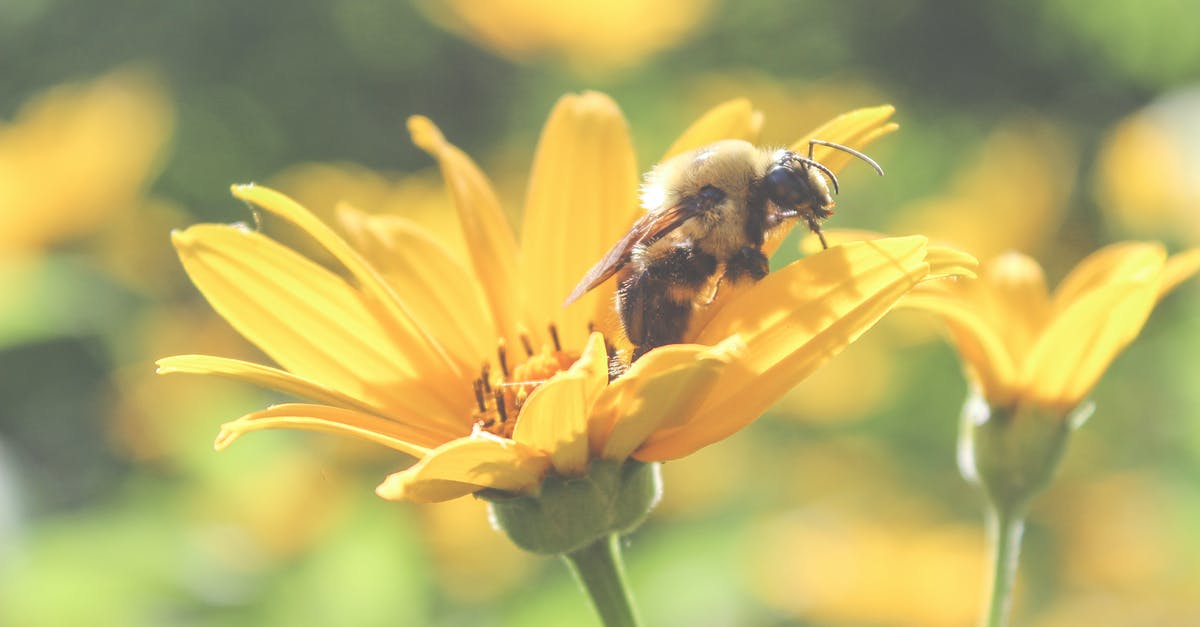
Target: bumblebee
[[708, 213]]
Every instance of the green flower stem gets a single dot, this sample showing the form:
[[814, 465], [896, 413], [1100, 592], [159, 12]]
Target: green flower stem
[[1010, 454], [1005, 525], [602, 575]]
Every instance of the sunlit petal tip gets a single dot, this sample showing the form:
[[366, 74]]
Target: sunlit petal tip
[[425, 134], [224, 438], [1178, 269], [589, 100], [240, 189]]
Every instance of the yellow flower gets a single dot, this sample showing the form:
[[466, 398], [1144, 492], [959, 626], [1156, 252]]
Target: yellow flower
[[1013, 194], [1145, 179], [590, 35], [78, 155], [1025, 347], [477, 370]]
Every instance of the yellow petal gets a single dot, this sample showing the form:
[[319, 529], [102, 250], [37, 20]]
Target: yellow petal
[[442, 295], [1179, 268], [1082, 341], [856, 129], [943, 260], [979, 344], [301, 315], [582, 199], [1020, 303], [467, 465], [409, 439], [555, 417], [421, 348], [659, 392], [946, 261], [793, 321], [735, 119], [1109, 264], [490, 239], [264, 376]]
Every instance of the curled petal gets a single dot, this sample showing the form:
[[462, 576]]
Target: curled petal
[[945, 261], [264, 376], [555, 417], [467, 465], [411, 439]]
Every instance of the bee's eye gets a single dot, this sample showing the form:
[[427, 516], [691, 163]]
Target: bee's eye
[[784, 187]]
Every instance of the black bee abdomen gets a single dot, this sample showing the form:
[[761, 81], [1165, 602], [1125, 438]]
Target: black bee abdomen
[[656, 303]]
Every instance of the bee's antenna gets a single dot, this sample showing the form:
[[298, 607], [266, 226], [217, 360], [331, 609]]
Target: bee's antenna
[[847, 149], [820, 166]]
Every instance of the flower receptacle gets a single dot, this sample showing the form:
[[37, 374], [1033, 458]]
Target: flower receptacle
[[1012, 453], [569, 513]]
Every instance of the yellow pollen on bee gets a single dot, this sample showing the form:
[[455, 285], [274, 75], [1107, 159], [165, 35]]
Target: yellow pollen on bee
[[501, 392]]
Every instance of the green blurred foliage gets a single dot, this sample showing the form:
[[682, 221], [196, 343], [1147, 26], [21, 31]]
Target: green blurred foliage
[[97, 528]]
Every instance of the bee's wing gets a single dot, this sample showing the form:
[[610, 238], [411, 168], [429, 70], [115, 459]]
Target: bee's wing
[[647, 230]]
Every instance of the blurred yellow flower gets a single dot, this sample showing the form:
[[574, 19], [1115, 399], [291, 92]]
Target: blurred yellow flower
[[1013, 195], [76, 156], [392, 352], [1023, 347], [590, 35], [1128, 551], [1146, 181], [829, 566]]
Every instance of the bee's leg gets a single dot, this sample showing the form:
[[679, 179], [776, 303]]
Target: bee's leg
[[749, 262], [816, 228], [656, 304]]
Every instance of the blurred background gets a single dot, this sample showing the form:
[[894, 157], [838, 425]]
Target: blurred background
[[1050, 127]]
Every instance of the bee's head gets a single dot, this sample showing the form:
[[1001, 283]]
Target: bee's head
[[797, 184]]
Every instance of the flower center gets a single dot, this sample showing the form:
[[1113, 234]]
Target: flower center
[[501, 392]]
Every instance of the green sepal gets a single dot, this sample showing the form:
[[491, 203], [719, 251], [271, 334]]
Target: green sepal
[[569, 513], [1012, 453]]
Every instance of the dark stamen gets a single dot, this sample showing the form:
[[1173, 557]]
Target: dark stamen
[[486, 377], [591, 327], [479, 395], [500, 408], [502, 357], [527, 344], [554, 338]]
